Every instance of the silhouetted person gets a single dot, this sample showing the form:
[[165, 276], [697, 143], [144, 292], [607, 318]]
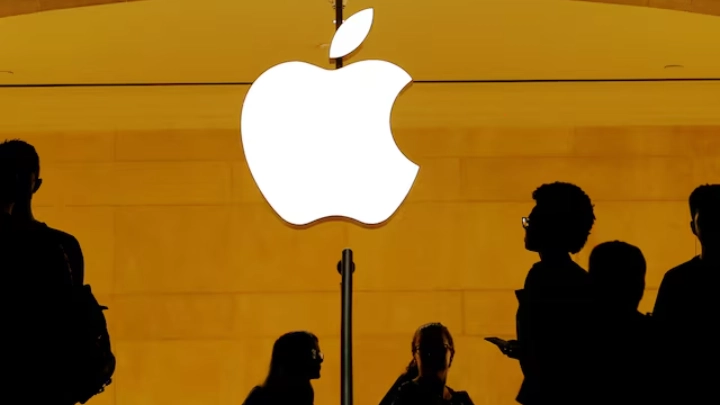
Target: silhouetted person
[[33, 304], [296, 360], [552, 306], [27, 167], [687, 308], [433, 352], [622, 337]]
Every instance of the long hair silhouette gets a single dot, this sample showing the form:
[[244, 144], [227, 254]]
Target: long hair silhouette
[[295, 361], [289, 360]]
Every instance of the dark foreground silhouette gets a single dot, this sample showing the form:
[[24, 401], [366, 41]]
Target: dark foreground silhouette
[[55, 345], [580, 336], [687, 308], [553, 304], [622, 340]]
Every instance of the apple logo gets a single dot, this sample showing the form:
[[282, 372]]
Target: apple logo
[[318, 142]]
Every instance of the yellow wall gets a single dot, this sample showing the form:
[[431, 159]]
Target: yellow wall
[[201, 276]]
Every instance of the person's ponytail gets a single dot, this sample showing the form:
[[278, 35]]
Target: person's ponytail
[[411, 372]]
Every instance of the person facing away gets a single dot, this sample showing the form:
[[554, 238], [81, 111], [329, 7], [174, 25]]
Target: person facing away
[[687, 307], [552, 306], [27, 167], [296, 360], [622, 337], [433, 351], [33, 303]]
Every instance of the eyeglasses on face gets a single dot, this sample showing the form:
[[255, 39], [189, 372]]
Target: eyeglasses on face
[[429, 349], [525, 222], [317, 355]]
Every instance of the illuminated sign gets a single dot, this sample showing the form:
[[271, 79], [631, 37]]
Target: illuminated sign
[[318, 142]]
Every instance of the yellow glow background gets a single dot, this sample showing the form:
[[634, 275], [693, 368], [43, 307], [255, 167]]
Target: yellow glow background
[[201, 276]]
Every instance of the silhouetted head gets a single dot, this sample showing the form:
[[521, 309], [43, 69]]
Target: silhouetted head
[[705, 213], [433, 349], [296, 357], [561, 220], [21, 163], [617, 273]]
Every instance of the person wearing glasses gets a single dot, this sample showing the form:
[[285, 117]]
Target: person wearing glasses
[[433, 351], [296, 361], [553, 306]]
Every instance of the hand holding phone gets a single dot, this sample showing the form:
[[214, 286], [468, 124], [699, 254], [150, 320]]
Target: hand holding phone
[[509, 348], [497, 341]]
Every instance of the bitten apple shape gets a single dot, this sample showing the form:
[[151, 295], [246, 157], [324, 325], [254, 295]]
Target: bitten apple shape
[[318, 142]]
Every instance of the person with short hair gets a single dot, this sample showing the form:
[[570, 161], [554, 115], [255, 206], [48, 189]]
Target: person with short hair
[[552, 311], [622, 337], [25, 163], [686, 310], [35, 301]]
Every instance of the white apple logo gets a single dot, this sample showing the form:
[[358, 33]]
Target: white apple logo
[[318, 142]]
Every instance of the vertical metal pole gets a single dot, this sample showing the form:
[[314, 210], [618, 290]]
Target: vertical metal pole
[[338, 23], [346, 267]]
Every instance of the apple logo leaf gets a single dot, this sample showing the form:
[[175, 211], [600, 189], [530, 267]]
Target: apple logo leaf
[[351, 34]]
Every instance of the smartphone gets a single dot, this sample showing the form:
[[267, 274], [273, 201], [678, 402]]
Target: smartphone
[[501, 343]]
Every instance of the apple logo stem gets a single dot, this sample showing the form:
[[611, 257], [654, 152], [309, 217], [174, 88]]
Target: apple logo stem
[[318, 142]]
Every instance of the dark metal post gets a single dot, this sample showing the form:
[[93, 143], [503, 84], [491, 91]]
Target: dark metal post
[[338, 23], [346, 267]]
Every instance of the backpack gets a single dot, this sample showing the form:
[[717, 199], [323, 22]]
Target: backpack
[[92, 360]]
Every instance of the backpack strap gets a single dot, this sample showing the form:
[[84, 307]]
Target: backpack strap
[[67, 264], [47, 236]]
